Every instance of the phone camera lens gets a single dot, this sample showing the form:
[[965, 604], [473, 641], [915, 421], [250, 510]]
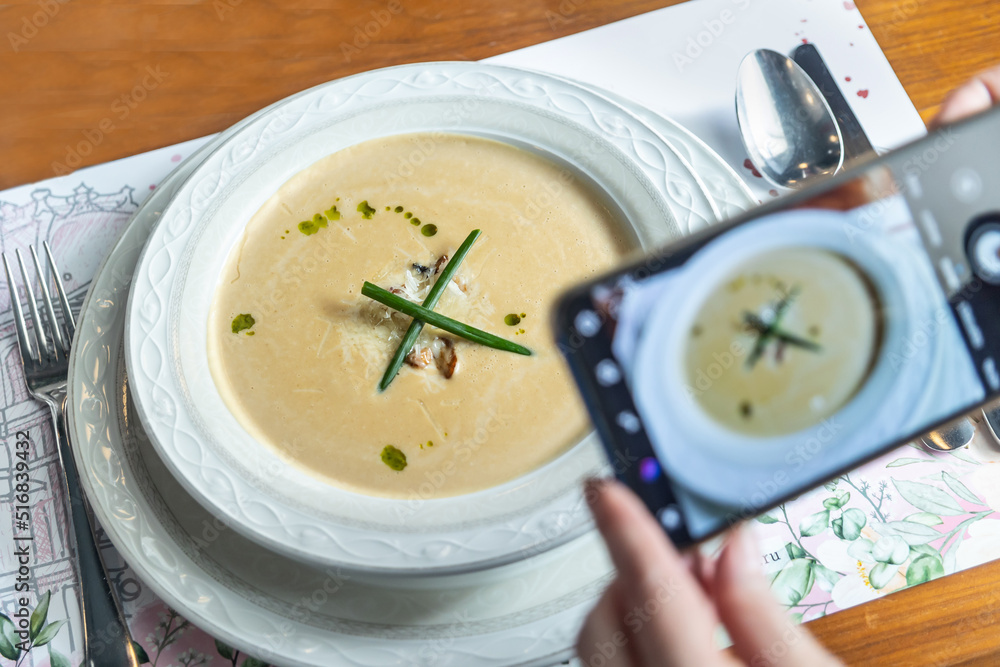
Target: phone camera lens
[[983, 248]]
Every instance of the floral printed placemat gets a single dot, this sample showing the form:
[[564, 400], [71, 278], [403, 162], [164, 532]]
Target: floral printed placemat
[[903, 519]]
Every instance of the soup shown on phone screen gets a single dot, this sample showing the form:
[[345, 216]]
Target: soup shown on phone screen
[[783, 341]]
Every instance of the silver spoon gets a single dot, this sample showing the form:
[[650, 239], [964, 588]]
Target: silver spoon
[[991, 414], [788, 129], [951, 436]]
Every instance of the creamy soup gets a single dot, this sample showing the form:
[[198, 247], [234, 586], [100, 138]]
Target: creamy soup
[[783, 342], [297, 352]]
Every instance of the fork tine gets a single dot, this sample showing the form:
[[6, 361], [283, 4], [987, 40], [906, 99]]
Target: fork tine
[[27, 352], [54, 329], [63, 301], [43, 345]]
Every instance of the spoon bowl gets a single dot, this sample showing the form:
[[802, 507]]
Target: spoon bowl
[[950, 437], [788, 129]]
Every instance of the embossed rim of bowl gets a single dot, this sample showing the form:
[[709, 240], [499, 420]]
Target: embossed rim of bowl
[[194, 433]]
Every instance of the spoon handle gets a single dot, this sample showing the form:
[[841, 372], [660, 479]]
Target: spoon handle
[[856, 144]]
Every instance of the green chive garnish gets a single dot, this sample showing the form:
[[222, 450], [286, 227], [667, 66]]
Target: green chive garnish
[[442, 322], [433, 296], [394, 458], [243, 321]]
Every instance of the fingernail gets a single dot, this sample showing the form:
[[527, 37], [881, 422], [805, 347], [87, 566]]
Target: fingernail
[[592, 489]]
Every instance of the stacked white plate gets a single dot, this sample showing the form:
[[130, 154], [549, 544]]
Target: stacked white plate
[[504, 576]]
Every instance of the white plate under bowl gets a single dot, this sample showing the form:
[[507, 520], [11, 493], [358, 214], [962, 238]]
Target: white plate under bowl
[[245, 483], [263, 603]]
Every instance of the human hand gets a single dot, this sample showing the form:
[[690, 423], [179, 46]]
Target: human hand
[[978, 94], [657, 611]]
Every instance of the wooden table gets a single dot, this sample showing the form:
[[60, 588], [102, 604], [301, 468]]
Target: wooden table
[[88, 82]]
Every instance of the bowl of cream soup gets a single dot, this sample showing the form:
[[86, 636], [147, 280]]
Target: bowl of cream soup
[[255, 359]]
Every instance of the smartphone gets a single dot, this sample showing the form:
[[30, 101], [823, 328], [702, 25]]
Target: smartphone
[[743, 365]]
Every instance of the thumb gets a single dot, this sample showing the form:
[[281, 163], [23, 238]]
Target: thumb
[[761, 630], [977, 94]]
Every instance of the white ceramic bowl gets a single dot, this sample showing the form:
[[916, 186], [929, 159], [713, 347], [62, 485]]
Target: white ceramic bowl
[[245, 483], [727, 467]]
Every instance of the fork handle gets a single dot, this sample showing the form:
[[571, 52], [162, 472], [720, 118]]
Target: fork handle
[[106, 640]]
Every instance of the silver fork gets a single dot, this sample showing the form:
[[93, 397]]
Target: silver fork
[[45, 358]]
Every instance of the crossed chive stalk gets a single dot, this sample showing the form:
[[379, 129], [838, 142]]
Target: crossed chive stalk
[[424, 314], [773, 331]]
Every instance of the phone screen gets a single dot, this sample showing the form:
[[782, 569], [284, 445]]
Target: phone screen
[[742, 367]]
